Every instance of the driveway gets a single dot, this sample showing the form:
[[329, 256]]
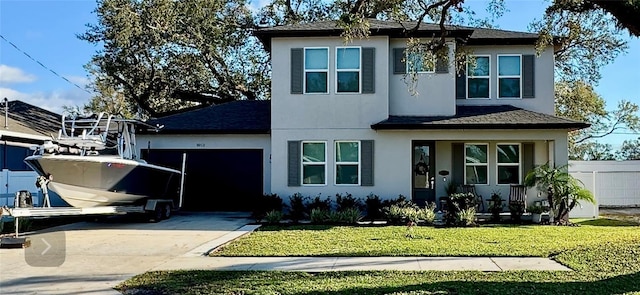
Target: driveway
[[93, 257]]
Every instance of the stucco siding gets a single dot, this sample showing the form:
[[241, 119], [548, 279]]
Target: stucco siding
[[543, 101], [330, 110], [422, 94], [208, 142], [392, 158]]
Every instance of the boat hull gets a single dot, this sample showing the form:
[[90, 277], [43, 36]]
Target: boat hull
[[90, 181]]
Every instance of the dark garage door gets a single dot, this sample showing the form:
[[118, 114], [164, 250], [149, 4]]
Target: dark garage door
[[216, 180]]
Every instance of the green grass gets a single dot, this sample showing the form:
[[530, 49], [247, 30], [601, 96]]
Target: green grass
[[604, 254], [501, 240]]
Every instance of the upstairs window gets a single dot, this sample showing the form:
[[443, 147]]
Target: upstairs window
[[478, 77], [347, 162], [316, 70], [420, 62], [509, 76], [348, 69], [508, 162], [476, 164], [314, 162]]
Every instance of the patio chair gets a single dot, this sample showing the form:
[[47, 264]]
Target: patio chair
[[518, 194], [471, 188]]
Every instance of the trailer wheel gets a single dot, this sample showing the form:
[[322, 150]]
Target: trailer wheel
[[166, 212], [157, 214]]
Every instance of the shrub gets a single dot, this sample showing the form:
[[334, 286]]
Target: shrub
[[264, 204], [319, 215], [373, 206], [273, 217], [350, 215], [456, 204], [346, 202], [297, 207], [428, 213], [395, 214], [318, 203], [467, 217], [516, 209]]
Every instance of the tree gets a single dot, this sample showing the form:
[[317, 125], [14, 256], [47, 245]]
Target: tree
[[625, 12], [164, 54], [630, 150], [564, 192], [578, 100]]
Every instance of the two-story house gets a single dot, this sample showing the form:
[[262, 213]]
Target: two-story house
[[342, 118]]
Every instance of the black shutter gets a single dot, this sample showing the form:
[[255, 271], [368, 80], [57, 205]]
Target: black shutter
[[461, 86], [528, 73], [297, 70], [368, 70], [367, 163], [399, 65], [457, 150], [294, 163], [528, 158]]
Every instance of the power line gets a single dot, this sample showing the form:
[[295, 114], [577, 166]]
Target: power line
[[42, 65]]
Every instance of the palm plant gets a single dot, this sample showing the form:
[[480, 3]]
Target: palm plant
[[564, 192]]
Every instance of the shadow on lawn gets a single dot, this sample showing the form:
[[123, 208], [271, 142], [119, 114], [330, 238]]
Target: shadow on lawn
[[616, 285], [607, 222], [229, 282]]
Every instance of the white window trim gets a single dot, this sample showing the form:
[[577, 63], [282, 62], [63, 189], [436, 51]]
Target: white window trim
[[469, 76], [474, 164], [407, 70], [302, 163], [304, 66], [359, 70], [519, 164], [507, 76], [359, 163]]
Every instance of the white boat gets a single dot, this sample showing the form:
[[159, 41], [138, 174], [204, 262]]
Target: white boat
[[94, 162]]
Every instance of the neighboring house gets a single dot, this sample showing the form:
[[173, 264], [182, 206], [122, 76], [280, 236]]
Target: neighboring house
[[342, 118], [23, 126]]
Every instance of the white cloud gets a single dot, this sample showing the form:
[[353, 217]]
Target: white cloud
[[14, 75], [52, 100]]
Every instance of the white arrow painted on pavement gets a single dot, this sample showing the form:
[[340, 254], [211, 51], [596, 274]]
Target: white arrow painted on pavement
[[48, 246]]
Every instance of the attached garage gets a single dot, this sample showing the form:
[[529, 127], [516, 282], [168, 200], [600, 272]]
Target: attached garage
[[227, 149], [216, 180]]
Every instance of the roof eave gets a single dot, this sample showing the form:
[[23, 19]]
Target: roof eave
[[422, 126]]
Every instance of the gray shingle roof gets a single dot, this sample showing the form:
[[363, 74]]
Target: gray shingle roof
[[400, 29], [482, 117], [28, 119], [236, 117]]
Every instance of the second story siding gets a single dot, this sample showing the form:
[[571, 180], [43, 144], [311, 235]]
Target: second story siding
[[320, 82]]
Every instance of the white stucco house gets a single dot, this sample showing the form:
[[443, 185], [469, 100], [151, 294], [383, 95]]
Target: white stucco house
[[342, 120]]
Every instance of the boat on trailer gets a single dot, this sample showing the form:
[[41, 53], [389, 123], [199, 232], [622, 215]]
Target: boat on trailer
[[94, 162]]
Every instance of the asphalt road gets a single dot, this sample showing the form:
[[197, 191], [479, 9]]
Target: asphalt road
[[93, 257]]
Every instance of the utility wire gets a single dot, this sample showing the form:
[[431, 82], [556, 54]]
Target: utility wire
[[42, 65]]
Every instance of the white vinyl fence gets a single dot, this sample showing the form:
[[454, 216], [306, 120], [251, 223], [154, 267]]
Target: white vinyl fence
[[14, 181], [613, 183]]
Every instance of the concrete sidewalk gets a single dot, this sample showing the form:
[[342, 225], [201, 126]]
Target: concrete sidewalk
[[319, 264], [194, 260]]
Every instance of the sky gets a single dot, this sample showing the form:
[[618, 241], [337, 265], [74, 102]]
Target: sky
[[42, 60]]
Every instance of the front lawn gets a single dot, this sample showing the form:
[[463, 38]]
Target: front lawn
[[497, 240], [604, 254]]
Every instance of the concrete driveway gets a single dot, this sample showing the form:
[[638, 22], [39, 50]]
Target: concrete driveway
[[93, 257]]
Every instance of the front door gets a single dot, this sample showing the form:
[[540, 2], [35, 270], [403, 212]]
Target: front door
[[423, 172]]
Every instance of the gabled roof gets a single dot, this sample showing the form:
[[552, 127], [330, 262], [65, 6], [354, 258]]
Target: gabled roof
[[27, 123], [236, 117], [400, 29], [481, 117]]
